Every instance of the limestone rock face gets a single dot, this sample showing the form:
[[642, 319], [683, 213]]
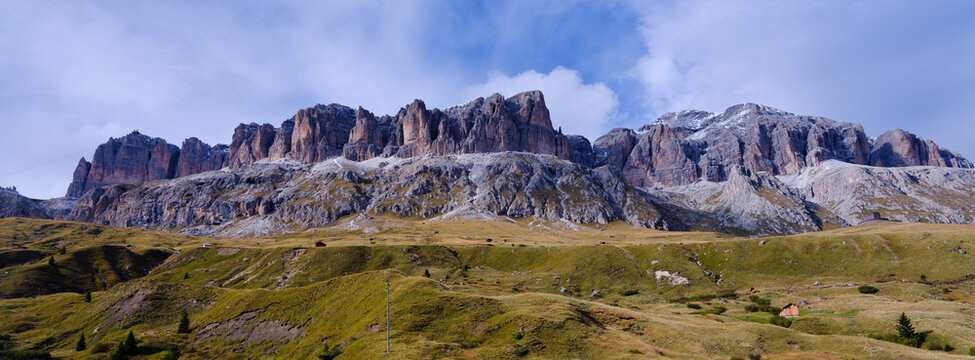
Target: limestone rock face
[[136, 158], [492, 124], [750, 170], [268, 198], [320, 132], [12, 204], [369, 136], [133, 158], [251, 142], [196, 156], [281, 146], [78, 179], [911, 194], [689, 146], [581, 151], [900, 148], [282, 196]]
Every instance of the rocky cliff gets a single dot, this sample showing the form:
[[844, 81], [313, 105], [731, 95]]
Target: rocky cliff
[[12, 204], [689, 146], [492, 124], [750, 170], [676, 149], [136, 158], [287, 195]]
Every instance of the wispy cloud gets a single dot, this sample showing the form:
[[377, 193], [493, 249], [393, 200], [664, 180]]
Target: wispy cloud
[[884, 64], [74, 73], [577, 107]]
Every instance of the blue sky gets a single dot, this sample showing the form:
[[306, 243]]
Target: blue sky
[[73, 73]]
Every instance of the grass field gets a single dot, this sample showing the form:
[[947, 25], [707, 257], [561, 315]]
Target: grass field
[[535, 290]]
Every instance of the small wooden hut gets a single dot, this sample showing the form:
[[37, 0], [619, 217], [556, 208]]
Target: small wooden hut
[[789, 311]]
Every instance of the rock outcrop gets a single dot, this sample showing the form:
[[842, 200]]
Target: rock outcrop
[[492, 124], [136, 158], [284, 196], [277, 197], [12, 204], [196, 156], [251, 142], [900, 148], [130, 159], [910, 194], [79, 179], [690, 146]]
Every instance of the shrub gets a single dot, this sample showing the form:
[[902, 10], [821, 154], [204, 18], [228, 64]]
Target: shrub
[[630, 292], [24, 354], [329, 354], [101, 347], [88, 297], [755, 356], [727, 293], [867, 289], [759, 301], [949, 348], [693, 306], [780, 321], [971, 351], [762, 308], [173, 354], [426, 272]]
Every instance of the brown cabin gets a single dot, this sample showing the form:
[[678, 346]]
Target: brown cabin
[[789, 311], [319, 244]]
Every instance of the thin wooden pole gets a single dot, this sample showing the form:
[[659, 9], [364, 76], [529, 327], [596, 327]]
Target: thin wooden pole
[[387, 316]]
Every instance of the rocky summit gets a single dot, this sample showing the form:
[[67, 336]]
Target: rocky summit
[[750, 170]]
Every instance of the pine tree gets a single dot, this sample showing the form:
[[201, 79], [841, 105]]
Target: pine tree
[[426, 272], [184, 324], [62, 251], [88, 297], [81, 346], [904, 327], [186, 276], [50, 261], [129, 346]]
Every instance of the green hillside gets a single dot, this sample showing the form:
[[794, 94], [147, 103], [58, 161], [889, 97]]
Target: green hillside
[[528, 293]]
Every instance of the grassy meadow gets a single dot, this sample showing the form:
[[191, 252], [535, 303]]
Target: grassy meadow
[[468, 289]]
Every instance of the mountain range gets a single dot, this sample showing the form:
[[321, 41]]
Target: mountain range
[[750, 170]]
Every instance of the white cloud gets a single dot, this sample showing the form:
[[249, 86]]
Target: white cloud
[[884, 65], [579, 108]]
